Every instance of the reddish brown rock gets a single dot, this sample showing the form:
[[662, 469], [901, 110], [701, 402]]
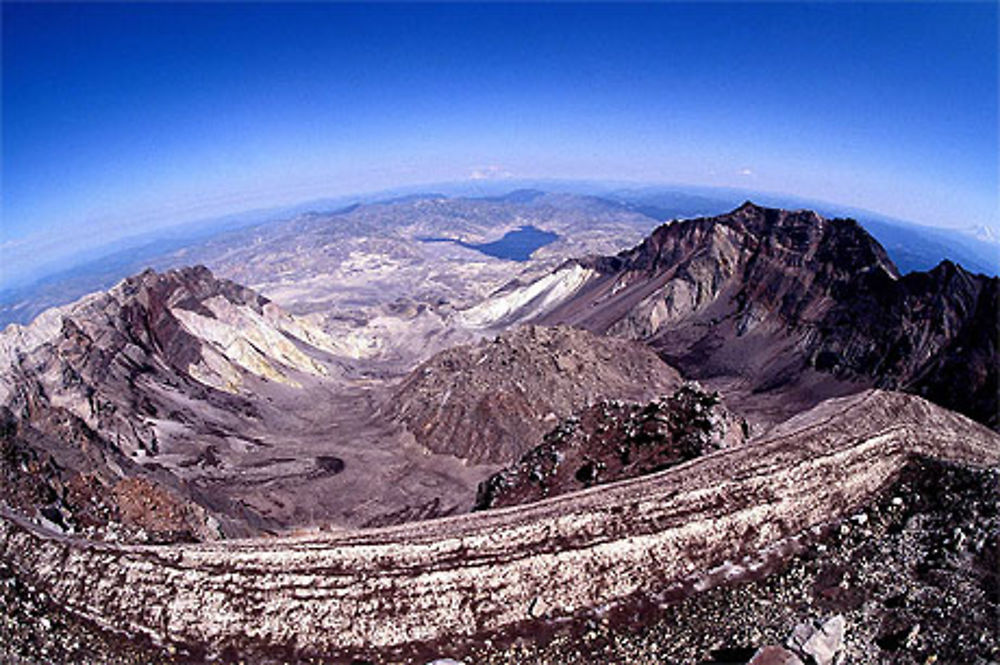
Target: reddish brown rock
[[773, 655]]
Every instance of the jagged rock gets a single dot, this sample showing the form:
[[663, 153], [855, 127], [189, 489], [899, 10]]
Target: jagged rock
[[890, 591], [539, 608], [817, 641], [91, 391], [791, 303], [615, 440]]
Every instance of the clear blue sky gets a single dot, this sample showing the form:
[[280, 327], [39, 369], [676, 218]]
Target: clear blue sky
[[121, 117]]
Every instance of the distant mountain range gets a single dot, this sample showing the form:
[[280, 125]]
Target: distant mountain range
[[762, 299], [636, 425], [911, 246]]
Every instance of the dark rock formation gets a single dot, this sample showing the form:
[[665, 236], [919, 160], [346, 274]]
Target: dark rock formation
[[495, 400], [775, 655], [772, 300], [612, 441]]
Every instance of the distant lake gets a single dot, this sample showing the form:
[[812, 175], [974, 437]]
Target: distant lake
[[516, 245]]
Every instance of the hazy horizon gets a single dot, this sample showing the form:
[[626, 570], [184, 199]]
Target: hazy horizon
[[24, 272], [122, 119]]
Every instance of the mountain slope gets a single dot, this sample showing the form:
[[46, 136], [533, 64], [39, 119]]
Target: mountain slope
[[244, 418], [100, 398], [616, 440], [492, 401], [762, 300]]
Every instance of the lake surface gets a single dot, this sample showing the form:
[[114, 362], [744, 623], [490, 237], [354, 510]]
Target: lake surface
[[517, 245]]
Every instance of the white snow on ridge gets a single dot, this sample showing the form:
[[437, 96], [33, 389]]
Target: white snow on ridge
[[527, 301], [984, 233]]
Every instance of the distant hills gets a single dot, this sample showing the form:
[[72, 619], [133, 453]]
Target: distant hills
[[392, 381], [910, 246]]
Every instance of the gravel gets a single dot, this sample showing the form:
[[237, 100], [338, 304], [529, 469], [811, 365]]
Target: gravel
[[915, 578]]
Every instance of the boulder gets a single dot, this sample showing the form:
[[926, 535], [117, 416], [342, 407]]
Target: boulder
[[818, 642], [774, 655]]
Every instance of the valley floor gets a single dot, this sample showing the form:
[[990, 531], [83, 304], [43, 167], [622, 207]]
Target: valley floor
[[331, 462]]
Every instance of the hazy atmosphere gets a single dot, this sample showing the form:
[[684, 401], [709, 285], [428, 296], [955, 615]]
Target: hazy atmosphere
[[118, 118], [500, 334]]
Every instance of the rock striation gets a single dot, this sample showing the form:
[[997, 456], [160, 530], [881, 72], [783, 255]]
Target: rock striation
[[96, 397], [909, 586], [762, 300], [484, 572]]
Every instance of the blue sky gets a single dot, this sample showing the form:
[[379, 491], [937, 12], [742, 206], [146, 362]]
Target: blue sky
[[119, 118]]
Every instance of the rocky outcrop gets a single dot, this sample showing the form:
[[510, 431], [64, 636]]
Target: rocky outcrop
[[913, 573], [493, 401], [615, 440], [814, 642], [106, 357], [818, 641], [772, 300], [488, 571], [93, 395]]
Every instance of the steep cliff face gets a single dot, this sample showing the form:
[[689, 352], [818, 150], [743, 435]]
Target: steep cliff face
[[493, 401], [616, 440], [94, 394], [946, 347], [776, 300]]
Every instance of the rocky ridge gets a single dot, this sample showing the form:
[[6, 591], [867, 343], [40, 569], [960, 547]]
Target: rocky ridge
[[762, 300], [615, 440], [720, 516], [895, 570], [94, 395], [912, 574], [120, 412]]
